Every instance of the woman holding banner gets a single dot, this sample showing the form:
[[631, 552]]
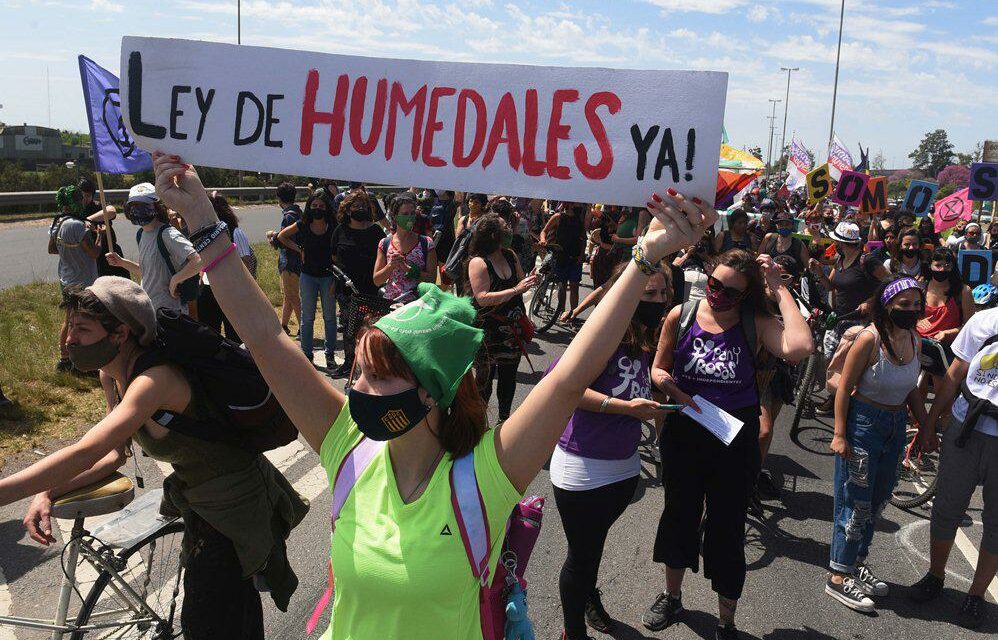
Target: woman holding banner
[[415, 365]]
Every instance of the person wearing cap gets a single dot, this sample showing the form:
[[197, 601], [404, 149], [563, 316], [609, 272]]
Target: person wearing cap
[[72, 239], [852, 281], [166, 257], [215, 487], [877, 389], [397, 574]]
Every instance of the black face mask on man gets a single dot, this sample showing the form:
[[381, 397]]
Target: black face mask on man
[[92, 357], [387, 417]]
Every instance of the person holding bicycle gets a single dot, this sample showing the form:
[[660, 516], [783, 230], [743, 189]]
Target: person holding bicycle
[[416, 393], [595, 467], [878, 382], [214, 485], [497, 284], [566, 228], [969, 452], [714, 357]]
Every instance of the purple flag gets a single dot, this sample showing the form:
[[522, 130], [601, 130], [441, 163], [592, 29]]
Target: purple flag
[[114, 149]]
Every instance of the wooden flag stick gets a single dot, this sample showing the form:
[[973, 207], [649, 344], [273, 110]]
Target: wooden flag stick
[[103, 208]]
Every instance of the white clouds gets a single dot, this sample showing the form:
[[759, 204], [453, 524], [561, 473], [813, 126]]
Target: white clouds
[[758, 13], [106, 6], [991, 21], [699, 6]]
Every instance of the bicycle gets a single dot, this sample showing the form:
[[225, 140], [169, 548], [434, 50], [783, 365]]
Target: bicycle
[[545, 307], [138, 591], [361, 307]]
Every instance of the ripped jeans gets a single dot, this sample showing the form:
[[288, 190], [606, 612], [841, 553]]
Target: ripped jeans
[[864, 482]]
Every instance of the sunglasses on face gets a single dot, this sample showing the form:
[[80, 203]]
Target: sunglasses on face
[[717, 285]]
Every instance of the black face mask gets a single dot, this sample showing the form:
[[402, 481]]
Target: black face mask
[[649, 313], [361, 216], [92, 357], [940, 276], [909, 253], [386, 417], [318, 214], [906, 318]]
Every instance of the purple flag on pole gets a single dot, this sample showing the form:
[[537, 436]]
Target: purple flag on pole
[[114, 149]]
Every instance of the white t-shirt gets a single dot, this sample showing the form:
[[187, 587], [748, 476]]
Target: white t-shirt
[[576, 473], [983, 372]]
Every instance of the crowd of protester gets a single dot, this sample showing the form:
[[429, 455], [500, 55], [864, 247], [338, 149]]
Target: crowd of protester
[[684, 306]]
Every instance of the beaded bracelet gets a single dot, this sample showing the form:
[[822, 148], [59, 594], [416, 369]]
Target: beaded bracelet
[[205, 236], [638, 254]]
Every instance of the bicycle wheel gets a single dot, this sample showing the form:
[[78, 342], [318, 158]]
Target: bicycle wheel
[[918, 472], [152, 569], [544, 307], [802, 401]]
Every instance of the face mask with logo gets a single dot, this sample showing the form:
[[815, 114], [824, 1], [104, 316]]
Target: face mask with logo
[[386, 417], [649, 313], [92, 357], [405, 221]]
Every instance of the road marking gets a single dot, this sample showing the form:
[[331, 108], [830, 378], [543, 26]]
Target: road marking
[[969, 552]]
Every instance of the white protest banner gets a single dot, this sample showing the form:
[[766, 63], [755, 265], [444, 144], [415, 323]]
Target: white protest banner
[[839, 159], [580, 134]]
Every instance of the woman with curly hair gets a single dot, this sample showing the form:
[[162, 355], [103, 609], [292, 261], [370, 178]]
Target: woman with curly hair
[[405, 258], [497, 284]]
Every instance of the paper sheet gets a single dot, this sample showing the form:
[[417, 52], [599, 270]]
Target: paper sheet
[[718, 421]]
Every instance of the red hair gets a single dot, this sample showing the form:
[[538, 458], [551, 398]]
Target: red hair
[[462, 424]]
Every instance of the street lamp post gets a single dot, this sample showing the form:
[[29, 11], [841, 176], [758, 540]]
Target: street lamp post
[[835, 87], [772, 126], [786, 108]]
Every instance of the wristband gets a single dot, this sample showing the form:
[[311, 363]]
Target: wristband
[[232, 247], [602, 406], [638, 254], [207, 235]]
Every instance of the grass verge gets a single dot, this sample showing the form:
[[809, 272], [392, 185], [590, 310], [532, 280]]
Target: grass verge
[[47, 405]]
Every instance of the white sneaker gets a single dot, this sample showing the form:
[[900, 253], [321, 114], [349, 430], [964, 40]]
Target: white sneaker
[[849, 594], [869, 583]]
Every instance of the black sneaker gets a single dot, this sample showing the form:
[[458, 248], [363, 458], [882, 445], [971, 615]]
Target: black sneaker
[[869, 583], [665, 611], [766, 485], [726, 632], [564, 636], [596, 615], [971, 612], [849, 594], [341, 371], [826, 408], [925, 589]]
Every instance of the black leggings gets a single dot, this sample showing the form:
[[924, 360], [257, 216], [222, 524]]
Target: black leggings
[[697, 468], [504, 372], [218, 601], [211, 314], [586, 517]]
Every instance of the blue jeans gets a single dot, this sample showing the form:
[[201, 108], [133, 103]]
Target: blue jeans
[[312, 289], [864, 482]]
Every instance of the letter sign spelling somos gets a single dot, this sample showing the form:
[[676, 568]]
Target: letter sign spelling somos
[[819, 184], [578, 134], [975, 266], [874, 199], [850, 189], [919, 197], [983, 181]]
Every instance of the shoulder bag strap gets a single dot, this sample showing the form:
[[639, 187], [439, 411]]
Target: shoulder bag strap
[[687, 316], [163, 251]]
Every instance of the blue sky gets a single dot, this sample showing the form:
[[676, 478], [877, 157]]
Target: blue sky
[[908, 67]]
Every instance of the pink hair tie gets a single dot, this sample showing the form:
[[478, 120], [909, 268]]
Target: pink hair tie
[[214, 262]]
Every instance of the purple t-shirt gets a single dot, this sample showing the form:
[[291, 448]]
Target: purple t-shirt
[[605, 436], [717, 366]]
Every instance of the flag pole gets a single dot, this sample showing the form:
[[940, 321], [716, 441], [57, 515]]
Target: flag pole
[[103, 208]]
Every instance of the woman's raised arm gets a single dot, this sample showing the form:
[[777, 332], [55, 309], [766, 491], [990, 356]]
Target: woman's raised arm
[[311, 402], [525, 440]]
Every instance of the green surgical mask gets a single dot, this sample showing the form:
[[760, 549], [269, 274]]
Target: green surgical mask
[[507, 240], [405, 221]]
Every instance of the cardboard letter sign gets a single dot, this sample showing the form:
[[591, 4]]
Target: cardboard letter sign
[[919, 197], [984, 181], [819, 184], [850, 189], [975, 266], [579, 134], [875, 197]]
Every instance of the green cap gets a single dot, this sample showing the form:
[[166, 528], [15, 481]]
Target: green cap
[[437, 338]]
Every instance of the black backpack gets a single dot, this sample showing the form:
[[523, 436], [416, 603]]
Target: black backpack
[[454, 266], [189, 289], [231, 400], [976, 407]]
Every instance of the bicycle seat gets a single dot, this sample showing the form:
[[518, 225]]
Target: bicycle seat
[[100, 498]]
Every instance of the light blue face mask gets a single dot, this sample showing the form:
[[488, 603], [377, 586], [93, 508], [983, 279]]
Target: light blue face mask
[[784, 231]]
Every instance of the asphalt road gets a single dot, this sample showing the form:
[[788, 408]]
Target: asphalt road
[[25, 259], [787, 551]]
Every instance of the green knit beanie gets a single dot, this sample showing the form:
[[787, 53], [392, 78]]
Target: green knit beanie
[[437, 338]]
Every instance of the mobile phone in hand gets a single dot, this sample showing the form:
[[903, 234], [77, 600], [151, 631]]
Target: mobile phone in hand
[[671, 407]]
